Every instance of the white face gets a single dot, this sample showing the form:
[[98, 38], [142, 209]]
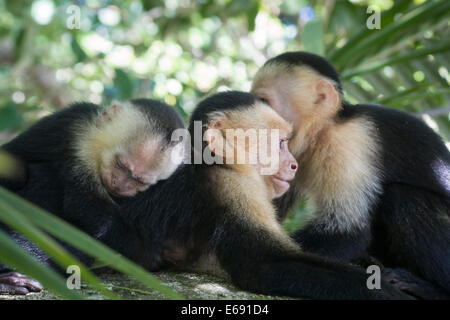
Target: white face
[[125, 173], [287, 167], [172, 158], [278, 97], [276, 167]]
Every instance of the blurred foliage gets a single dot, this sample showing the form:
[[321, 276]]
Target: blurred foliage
[[181, 50]]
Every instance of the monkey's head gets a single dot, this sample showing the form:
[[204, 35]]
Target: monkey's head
[[304, 89], [246, 135], [129, 147]]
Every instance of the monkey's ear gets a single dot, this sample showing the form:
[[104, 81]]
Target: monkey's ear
[[327, 96], [108, 114], [214, 138]]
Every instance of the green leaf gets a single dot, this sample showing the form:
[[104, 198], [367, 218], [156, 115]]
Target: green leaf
[[84, 242], [77, 50], [238, 7], [123, 84], [150, 4], [14, 256], [251, 16], [387, 18], [293, 5], [413, 96], [17, 7], [312, 36], [402, 95], [16, 220], [19, 43], [10, 117], [369, 67], [418, 16]]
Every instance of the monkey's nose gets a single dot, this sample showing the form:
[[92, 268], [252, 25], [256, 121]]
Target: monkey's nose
[[293, 166]]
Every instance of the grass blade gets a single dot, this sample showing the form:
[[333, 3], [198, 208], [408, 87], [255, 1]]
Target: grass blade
[[16, 220], [416, 17], [369, 67], [13, 255], [386, 19], [85, 243]]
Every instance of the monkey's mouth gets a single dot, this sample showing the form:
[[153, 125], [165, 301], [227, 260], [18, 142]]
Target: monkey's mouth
[[280, 185], [117, 186]]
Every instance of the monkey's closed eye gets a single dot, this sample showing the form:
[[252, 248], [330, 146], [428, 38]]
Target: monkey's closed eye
[[263, 100], [140, 181], [119, 164], [283, 143]]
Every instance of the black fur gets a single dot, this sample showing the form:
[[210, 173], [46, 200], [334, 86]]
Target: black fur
[[411, 220], [179, 220], [51, 139], [221, 102], [183, 214], [52, 183], [299, 58], [164, 116]]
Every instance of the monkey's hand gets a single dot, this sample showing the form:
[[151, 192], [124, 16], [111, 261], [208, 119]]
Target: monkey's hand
[[16, 283], [412, 285]]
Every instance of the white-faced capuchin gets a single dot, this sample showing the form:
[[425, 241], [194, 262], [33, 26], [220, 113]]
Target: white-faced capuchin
[[119, 150], [218, 216], [379, 178], [81, 159]]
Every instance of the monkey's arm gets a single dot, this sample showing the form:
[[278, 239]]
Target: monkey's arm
[[343, 245], [256, 262], [103, 220], [414, 286]]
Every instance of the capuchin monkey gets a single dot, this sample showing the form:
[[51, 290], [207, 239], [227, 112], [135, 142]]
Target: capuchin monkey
[[78, 161], [379, 178], [218, 216], [117, 151]]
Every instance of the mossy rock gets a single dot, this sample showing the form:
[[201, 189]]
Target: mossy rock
[[189, 285]]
